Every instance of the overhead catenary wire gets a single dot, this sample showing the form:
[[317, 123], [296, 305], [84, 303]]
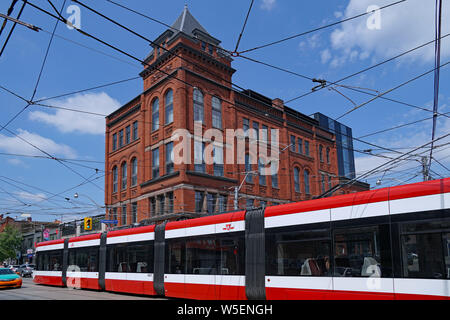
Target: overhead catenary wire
[[9, 12], [118, 49], [25, 24], [392, 89], [329, 83], [13, 27], [243, 27], [437, 61], [321, 27], [352, 181], [39, 76]]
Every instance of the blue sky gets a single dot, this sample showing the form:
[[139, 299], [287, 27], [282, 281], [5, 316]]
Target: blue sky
[[330, 54]]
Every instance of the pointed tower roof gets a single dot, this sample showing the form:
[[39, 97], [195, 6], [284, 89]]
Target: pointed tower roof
[[187, 24]]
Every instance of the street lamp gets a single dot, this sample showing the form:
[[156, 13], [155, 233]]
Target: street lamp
[[76, 195]]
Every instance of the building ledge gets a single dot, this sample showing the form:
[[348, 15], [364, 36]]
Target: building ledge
[[205, 175], [161, 178]]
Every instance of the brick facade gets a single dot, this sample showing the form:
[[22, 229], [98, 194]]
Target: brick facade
[[196, 62]]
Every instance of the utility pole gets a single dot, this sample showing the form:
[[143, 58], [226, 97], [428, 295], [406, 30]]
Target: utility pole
[[236, 190], [425, 172]]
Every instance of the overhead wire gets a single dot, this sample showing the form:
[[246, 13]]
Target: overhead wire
[[13, 27], [117, 49], [39, 76], [329, 83], [437, 61], [243, 27], [321, 27], [392, 89]]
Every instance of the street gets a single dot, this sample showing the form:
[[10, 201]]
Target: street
[[32, 291]]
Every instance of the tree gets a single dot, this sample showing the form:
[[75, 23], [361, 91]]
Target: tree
[[10, 242]]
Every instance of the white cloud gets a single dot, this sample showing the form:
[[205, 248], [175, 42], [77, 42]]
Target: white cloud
[[325, 55], [402, 27], [16, 145], [31, 196], [268, 4], [17, 162], [70, 121]]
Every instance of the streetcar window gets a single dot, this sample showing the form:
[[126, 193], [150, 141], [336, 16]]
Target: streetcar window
[[362, 252], [446, 240], [175, 257], [292, 252], [50, 260], [202, 255], [84, 259], [426, 250], [135, 257], [139, 257], [117, 258], [232, 253]]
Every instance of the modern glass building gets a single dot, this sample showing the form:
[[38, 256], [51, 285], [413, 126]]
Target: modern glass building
[[344, 144]]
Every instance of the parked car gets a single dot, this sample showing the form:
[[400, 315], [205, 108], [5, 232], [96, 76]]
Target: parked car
[[26, 270], [9, 279], [14, 268]]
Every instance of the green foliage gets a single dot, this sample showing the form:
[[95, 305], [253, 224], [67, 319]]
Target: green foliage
[[10, 242]]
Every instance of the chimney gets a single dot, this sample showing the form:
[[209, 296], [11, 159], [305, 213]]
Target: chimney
[[277, 103]]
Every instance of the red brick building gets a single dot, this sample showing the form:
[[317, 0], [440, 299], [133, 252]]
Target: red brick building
[[187, 79]]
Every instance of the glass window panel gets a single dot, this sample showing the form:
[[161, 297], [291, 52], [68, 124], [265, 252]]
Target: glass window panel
[[155, 115], [198, 106], [232, 253], [155, 163], [175, 258], [362, 252], [135, 130], [216, 113], [292, 252], [169, 107], [202, 256]]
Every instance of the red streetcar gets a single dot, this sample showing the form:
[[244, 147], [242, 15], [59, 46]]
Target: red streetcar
[[391, 243]]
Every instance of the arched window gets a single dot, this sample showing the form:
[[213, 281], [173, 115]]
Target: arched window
[[328, 155], [297, 179], [155, 114], [169, 107], [134, 168], [124, 175], [198, 105], [321, 153], [216, 113], [115, 176], [306, 176]]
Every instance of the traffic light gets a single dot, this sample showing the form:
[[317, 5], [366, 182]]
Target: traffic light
[[87, 223]]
